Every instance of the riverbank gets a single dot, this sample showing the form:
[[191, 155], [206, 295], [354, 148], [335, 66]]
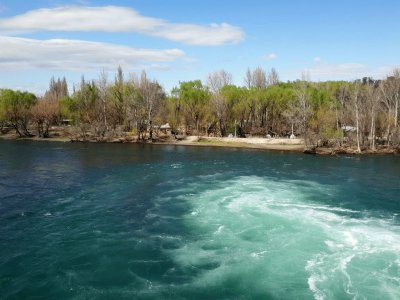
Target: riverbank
[[275, 144], [252, 143]]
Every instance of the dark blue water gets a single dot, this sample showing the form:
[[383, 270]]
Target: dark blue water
[[98, 221]]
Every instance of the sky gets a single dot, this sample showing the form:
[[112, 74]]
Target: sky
[[181, 40]]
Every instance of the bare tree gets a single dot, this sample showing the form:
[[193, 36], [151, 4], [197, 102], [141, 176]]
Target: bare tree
[[44, 113], [388, 103], [395, 86], [356, 102], [103, 94], [273, 77], [217, 80], [302, 96], [256, 79], [58, 89], [248, 79], [259, 78], [373, 99], [151, 93], [292, 114], [390, 88]]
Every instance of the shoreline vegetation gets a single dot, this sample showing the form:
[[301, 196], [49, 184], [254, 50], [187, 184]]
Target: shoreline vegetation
[[327, 118]]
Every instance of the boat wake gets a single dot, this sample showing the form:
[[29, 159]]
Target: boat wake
[[268, 236]]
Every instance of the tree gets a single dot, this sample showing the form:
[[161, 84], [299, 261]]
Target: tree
[[58, 89], [394, 81], [390, 88], [85, 102], [356, 101], [172, 111], [103, 88], [45, 112], [291, 113], [119, 99], [16, 107], [216, 81], [302, 94], [236, 106], [3, 114], [373, 97], [273, 77], [256, 78], [152, 94], [136, 108], [194, 99]]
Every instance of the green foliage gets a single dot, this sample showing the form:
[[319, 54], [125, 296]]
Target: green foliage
[[16, 99], [3, 115], [319, 97], [195, 100], [68, 108], [193, 94], [83, 102], [332, 133], [15, 108]]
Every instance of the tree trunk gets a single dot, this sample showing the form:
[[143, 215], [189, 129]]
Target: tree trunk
[[197, 125], [46, 129], [151, 130], [39, 129], [388, 126], [396, 113], [373, 129], [337, 118], [357, 127]]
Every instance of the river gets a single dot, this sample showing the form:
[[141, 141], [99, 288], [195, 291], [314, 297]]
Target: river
[[107, 221]]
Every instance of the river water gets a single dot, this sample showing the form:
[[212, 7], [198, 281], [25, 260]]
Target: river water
[[101, 221]]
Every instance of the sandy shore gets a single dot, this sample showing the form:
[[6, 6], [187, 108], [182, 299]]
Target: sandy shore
[[252, 143]]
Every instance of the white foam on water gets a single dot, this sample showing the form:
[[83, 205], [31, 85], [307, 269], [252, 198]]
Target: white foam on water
[[261, 253], [312, 283], [176, 166], [220, 229], [349, 238], [267, 235]]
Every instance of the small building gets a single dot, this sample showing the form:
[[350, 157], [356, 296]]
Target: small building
[[349, 129], [66, 122], [166, 128]]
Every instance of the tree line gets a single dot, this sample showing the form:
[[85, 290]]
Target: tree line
[[361, 113]]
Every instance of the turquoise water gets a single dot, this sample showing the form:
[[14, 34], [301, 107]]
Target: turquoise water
[[93, 221]]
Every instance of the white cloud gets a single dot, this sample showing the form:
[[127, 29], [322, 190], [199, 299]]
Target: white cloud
[[346, 71], [338, 70], [317, 59], [79, 18], [270, 56], [60, 54], [212, 35], [119, 19]]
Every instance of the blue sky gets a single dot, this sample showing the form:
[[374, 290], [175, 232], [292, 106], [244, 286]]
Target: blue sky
[[179, 40]]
